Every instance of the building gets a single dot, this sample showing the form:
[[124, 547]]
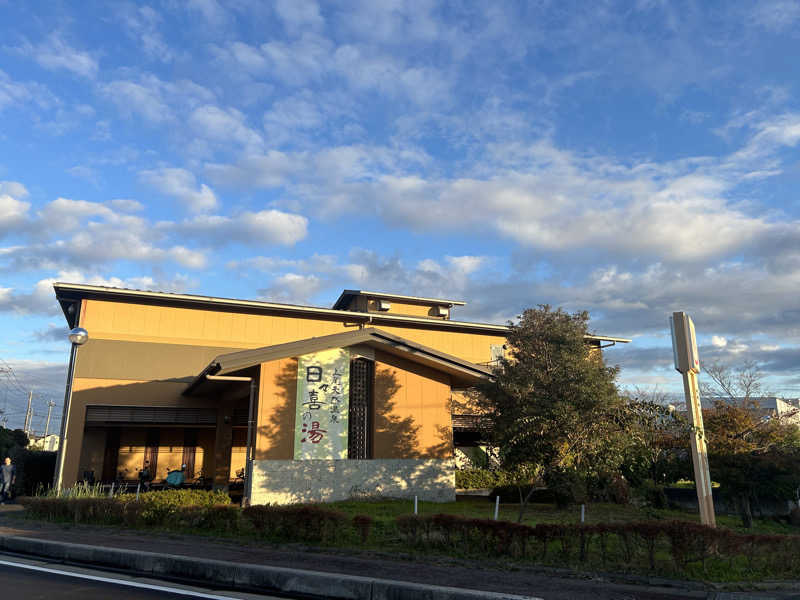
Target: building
[[328, 403], [47, 443], [763, 407]]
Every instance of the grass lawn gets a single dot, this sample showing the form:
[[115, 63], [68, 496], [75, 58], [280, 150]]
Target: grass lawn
[[482, 508]]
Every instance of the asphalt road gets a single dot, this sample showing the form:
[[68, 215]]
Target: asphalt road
[[36, 580]]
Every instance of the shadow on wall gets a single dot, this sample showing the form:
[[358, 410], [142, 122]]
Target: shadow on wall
[[158, 393], [394, 436], [280, 428], [398, 469], [302, 481]]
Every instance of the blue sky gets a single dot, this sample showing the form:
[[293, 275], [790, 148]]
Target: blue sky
[[630, 159]]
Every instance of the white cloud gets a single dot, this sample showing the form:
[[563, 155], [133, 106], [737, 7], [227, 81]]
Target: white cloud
[[40, 298], [298, 15], [272, 169], [718, 341], [266, 227], [210, 10], [155, 100], [85, 173], [301, 279], [13, 188], [63, 214], [142, 24], [181, 184], [542, 197], [54, 53], [224, 127], [292, 288], [13, 214], [299, 61], [16, 94], [776, 15], [126, 205]]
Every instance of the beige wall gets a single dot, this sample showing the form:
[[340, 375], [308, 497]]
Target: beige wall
[[276, 410], [93, 452], [403, 308], [217, 329], [412, 410]]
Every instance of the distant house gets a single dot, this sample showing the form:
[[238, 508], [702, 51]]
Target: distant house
[[765, 407], [328, 403], [47, 443]]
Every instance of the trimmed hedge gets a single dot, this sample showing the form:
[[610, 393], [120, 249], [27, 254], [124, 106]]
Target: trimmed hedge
[[657, 546], [666, 547], [202, 511]]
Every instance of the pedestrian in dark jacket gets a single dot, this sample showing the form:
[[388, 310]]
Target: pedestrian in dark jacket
[[8, 477]]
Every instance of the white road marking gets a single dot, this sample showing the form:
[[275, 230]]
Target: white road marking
[[135, 584]]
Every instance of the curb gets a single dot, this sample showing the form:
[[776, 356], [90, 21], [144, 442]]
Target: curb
[[245, 577]]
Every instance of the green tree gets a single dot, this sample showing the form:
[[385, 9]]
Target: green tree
[[752, 457], [11, 439], [752, 453], [554, 402]]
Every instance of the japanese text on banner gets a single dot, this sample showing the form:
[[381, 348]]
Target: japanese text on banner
[[323, 389]]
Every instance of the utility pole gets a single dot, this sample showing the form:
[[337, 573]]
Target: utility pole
[[28, 415], [50, 406]]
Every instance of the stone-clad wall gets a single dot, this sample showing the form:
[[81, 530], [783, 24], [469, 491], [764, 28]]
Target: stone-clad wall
[[290, 481]]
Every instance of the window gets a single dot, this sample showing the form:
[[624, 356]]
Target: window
[[360, 415]]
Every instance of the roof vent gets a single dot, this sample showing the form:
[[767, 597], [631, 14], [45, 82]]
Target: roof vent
[[441, 311], [384, 305]]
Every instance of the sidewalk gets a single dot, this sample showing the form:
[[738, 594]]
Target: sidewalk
[[425, 570]]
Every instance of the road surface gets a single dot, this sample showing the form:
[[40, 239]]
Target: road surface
[[38, 580]]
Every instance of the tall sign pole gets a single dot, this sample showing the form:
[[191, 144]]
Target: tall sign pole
[[687, 362]]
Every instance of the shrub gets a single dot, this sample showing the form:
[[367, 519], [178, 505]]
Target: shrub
[[471, 479], [177, 498], [619, 544], [653, 494], [157, 508], [303, 523], [410, 528], [363, 524], [567, 485], [222, 518], [618, 490]]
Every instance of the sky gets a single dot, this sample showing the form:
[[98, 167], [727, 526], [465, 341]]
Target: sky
[[629, 159]]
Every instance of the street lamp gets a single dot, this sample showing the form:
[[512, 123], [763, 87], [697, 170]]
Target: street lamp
[[77, 337]]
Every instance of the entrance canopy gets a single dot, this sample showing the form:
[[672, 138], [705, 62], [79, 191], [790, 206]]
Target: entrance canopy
[[463, 373]]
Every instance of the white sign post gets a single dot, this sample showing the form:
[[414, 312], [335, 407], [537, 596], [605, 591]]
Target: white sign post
[[687, 362], [322, 405]]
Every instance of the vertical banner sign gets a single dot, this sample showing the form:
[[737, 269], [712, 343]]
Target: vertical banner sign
[[322, 405], [687, 362]]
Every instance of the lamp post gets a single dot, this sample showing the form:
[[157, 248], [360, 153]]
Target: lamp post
[[77, 337]]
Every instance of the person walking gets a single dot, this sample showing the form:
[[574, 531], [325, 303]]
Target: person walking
[[8, 477]]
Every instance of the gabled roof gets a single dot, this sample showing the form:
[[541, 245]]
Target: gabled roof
[[462, 371]]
